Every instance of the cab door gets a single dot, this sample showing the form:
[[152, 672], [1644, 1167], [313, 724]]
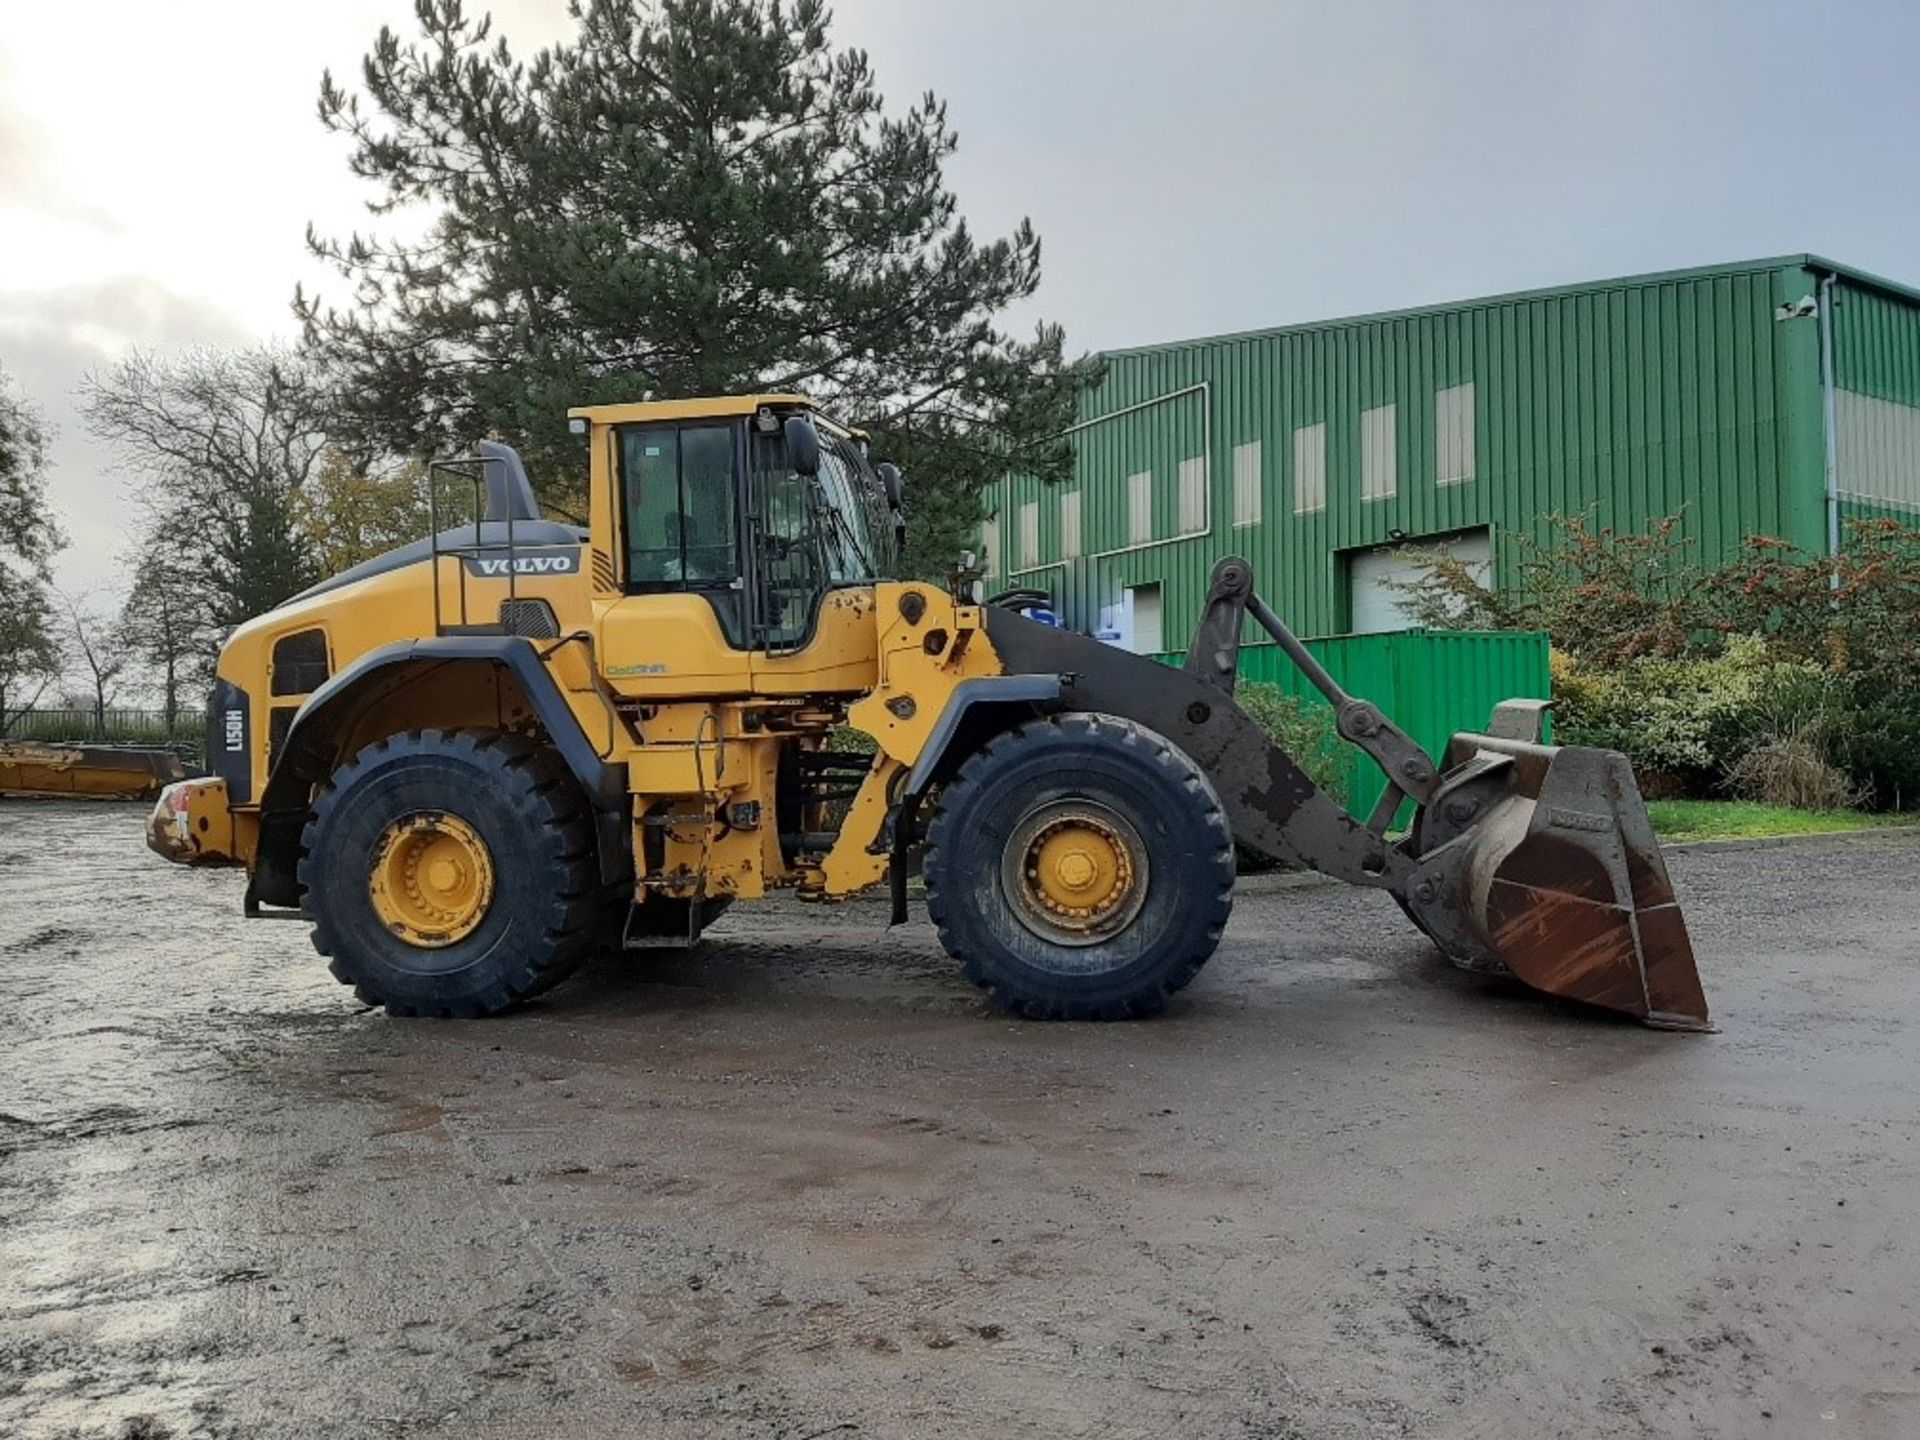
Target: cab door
[[813, 599], [680, 626]]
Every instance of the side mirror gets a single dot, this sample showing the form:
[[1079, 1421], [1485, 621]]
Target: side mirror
[[891, 481], [803, 445]]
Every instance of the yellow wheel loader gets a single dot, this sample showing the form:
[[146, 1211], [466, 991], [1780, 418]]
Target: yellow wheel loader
[[471, 761]]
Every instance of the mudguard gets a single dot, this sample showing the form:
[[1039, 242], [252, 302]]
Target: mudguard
[[305, 755]]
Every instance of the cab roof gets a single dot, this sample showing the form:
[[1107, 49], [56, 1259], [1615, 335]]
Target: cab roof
[[639, 412], [695, 409]]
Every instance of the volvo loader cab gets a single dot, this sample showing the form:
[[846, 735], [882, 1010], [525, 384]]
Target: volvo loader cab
[[472, 761]]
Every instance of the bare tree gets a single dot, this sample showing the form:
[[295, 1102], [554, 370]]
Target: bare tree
[[222, 444], [100, 654], [350, 513]]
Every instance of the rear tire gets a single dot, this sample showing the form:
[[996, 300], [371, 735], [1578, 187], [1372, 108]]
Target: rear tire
[[515, 813], [1080, 868]]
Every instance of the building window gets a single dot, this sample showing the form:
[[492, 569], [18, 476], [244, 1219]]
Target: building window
[[1145, 635], [990, 545], [1030, 534], [1379, 459], [1309, 469], [1070, 525], [1193, 496], [1140, 508], [1246, 484], [1453, 434]]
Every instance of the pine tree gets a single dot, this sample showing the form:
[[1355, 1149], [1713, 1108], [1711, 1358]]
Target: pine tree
[[684, 198]]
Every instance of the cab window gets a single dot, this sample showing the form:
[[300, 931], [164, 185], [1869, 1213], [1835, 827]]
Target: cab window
[[681, 514]]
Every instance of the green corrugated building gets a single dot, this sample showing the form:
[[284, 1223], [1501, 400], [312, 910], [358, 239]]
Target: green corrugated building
[[1773, 397]]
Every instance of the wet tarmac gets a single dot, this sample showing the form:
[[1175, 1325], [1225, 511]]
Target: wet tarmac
[[802, 1184]]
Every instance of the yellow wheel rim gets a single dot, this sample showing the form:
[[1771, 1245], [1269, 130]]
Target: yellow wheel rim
[[1078, 867], [1076, 872], [431, 879]]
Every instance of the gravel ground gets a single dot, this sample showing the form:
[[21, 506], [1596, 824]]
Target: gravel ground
[[802, 1184]]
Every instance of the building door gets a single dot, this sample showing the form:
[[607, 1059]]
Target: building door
[[1372, 575], [1145, 636]]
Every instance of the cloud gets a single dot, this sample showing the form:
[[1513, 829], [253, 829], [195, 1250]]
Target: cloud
[[50, 340], [28, 183], [106, 318]]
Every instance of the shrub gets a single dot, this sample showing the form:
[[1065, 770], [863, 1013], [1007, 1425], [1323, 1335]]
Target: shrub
[[1688, 720], [1879, 747], [1855, 614], [1304, 729], [1793, 657], [845, 740], [1603, 595], [1794, 770]]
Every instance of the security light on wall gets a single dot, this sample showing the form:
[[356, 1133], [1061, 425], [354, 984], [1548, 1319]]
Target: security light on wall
[[1800, 309], [1396, 536]]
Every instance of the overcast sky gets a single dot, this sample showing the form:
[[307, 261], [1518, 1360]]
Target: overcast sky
[[1192, 168]]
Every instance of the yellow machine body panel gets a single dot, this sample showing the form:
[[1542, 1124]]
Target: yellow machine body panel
[[390, 608], [662, 647]]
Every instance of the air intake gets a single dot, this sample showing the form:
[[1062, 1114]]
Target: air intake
[[533, 619]]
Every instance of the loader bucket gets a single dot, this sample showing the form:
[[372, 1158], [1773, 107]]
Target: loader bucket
[[1557, 879]]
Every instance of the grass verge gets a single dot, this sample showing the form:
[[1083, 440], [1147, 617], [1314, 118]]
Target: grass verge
[[1745, 820]]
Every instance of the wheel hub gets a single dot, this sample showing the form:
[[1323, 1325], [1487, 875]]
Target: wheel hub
[[1076, 872], [431, 880]]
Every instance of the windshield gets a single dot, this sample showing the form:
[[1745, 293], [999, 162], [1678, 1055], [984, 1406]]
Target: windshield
[[847, 523], [811, 533]]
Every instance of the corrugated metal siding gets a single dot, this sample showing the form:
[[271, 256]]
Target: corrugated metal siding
[[1854, 508], [1876, 365], [1430, 683], [1876, 344], [1637, 398]]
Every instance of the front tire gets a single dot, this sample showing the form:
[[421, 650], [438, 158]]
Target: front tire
[[451, 873], [1080, 868]]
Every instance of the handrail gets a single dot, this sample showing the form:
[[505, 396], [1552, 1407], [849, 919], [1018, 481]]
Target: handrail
[[472, 468]]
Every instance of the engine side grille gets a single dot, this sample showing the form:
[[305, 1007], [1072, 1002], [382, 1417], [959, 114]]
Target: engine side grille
[[532, 618], [300, 662]]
